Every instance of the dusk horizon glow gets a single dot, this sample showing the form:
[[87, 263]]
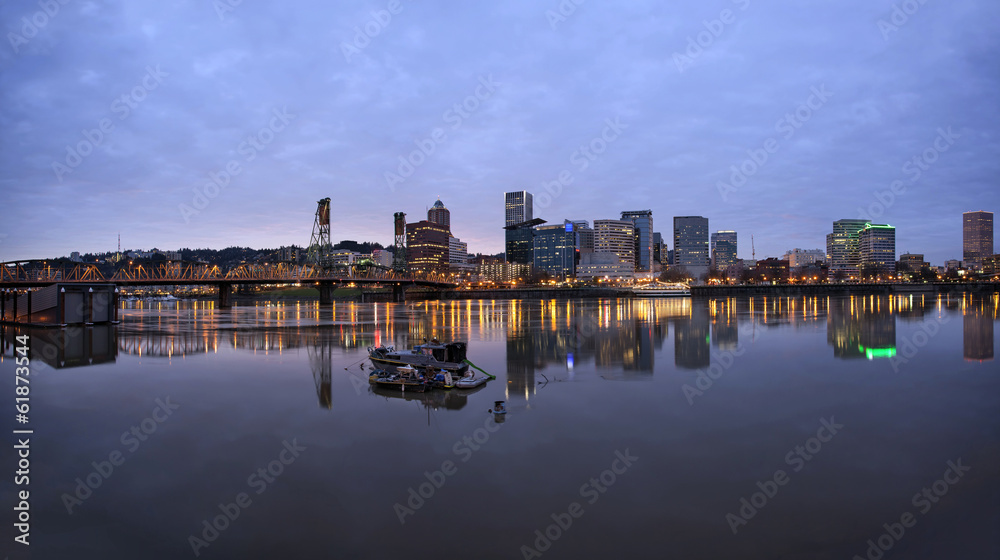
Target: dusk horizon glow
[[209, 125]]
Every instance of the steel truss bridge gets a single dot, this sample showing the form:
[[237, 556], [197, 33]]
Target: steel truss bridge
[[38, 273]]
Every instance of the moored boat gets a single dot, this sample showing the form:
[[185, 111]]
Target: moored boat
[[403, 379], [662, 290], [470, 382], [439, 356]]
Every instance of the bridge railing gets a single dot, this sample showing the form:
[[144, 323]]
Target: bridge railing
[[169, 270], [34, 272], [46, 271]]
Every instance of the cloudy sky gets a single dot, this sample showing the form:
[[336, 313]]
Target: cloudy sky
[[769, 118]]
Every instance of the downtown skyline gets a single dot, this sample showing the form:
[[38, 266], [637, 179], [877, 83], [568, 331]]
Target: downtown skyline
[[610, 108]]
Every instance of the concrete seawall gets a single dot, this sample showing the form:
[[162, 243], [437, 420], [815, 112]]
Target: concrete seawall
[[843, 289], [520, 293], [713, 291]]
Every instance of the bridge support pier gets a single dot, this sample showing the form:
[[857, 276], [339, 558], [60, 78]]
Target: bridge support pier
[[398, 293], [326, 293], [225, 295]]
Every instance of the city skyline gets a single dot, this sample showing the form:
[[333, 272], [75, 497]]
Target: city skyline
[[439, 213], [891, 124]]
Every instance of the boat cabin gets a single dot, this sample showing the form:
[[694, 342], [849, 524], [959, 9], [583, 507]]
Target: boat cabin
[[453, 352]]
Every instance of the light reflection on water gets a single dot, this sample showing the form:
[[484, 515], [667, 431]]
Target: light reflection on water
[[911, 378]]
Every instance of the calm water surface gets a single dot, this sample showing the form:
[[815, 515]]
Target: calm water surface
[[636, 429]]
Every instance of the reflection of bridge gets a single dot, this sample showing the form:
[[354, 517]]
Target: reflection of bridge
[[30, 274]]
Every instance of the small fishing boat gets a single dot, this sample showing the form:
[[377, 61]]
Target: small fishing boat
[[447, 356], [403, 379]]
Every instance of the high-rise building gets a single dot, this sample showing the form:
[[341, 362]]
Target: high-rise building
[[691, 244], [642, 221], [977, 238], [842, 253], [458, 255], [519, 247], [517, 207], [615, 236], [439, 214], [877, 249], [427, 246], [555, 249], [659, 253], [585, 240], [723, 247], [519, 225]]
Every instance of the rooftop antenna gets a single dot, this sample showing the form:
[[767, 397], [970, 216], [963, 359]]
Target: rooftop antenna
[[753, 251]]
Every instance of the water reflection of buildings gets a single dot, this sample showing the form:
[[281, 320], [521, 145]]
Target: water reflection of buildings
[[691, 337], [979, 312], [618, 336], [861, 327], [62, 348]]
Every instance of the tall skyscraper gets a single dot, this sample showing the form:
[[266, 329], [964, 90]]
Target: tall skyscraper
[[615, 236], [439, 214], [842, 253], [427, 246], [977, 238], [555, 249], [517, 207], [691, 243], [519, 225], [642, 221], [723, 246], [877, 249]]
